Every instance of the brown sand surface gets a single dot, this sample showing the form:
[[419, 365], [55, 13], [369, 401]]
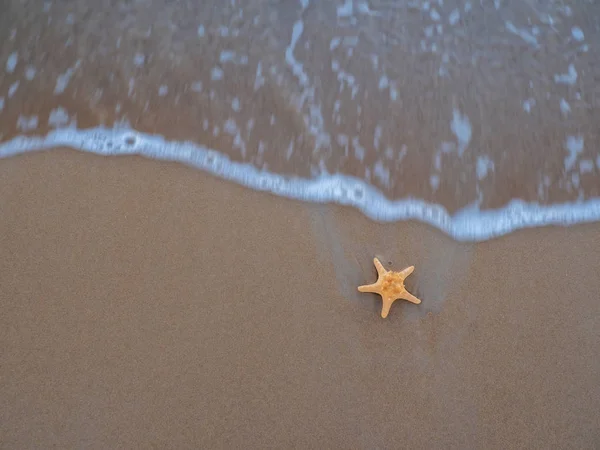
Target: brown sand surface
[[148, 305]]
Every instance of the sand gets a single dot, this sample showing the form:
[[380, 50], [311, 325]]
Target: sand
[[149, 305]]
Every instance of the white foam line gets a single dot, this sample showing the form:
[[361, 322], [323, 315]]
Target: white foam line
[[469, 224]]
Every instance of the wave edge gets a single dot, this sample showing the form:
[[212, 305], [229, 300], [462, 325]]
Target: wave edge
[[468, 224]]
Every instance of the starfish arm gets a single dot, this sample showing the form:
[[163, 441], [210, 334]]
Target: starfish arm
[[406, 272], [370, 288], [380, 269], [411, 298], [385, 307]]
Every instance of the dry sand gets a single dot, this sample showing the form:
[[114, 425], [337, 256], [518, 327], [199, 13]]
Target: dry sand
[[148, 305]]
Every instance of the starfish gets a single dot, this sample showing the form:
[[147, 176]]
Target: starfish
[[390, 285]]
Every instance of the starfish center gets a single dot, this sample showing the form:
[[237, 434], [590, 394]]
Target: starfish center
[[393, 283]]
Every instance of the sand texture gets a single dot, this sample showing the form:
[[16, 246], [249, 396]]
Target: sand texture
[[148, 305]]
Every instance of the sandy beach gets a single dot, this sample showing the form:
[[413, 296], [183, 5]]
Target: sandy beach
[[149, 305], [146, 304]]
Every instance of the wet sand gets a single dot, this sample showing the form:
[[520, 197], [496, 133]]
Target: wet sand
[[149, 305]]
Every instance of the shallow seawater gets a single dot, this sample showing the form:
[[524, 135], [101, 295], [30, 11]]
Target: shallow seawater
[[476, 117]]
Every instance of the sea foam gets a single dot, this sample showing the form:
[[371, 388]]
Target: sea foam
[[469, 224]]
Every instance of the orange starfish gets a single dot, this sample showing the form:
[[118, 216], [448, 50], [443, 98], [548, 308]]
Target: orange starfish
[[390, 285]]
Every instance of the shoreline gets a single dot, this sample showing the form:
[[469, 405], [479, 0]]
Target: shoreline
[[447, 112], [469, 224], [146, 303]]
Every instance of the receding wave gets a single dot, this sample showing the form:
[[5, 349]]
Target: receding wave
[[478, 118], [469, 224]]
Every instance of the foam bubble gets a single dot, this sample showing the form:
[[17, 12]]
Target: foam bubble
[[334, 43], [12, 90], [574, 145], [11, 62], [382, 173], [216, 74], [454, 17], [62, 81], [577, 34], [586, 166], [346, 9], [30, 73], [523, 34], [226, 56], [384, 82], [484, 165], [26, 124], [259, 80], [58, 117], [528, 104], [569, 78], [461, 127], [139, 59], [565, 108]]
